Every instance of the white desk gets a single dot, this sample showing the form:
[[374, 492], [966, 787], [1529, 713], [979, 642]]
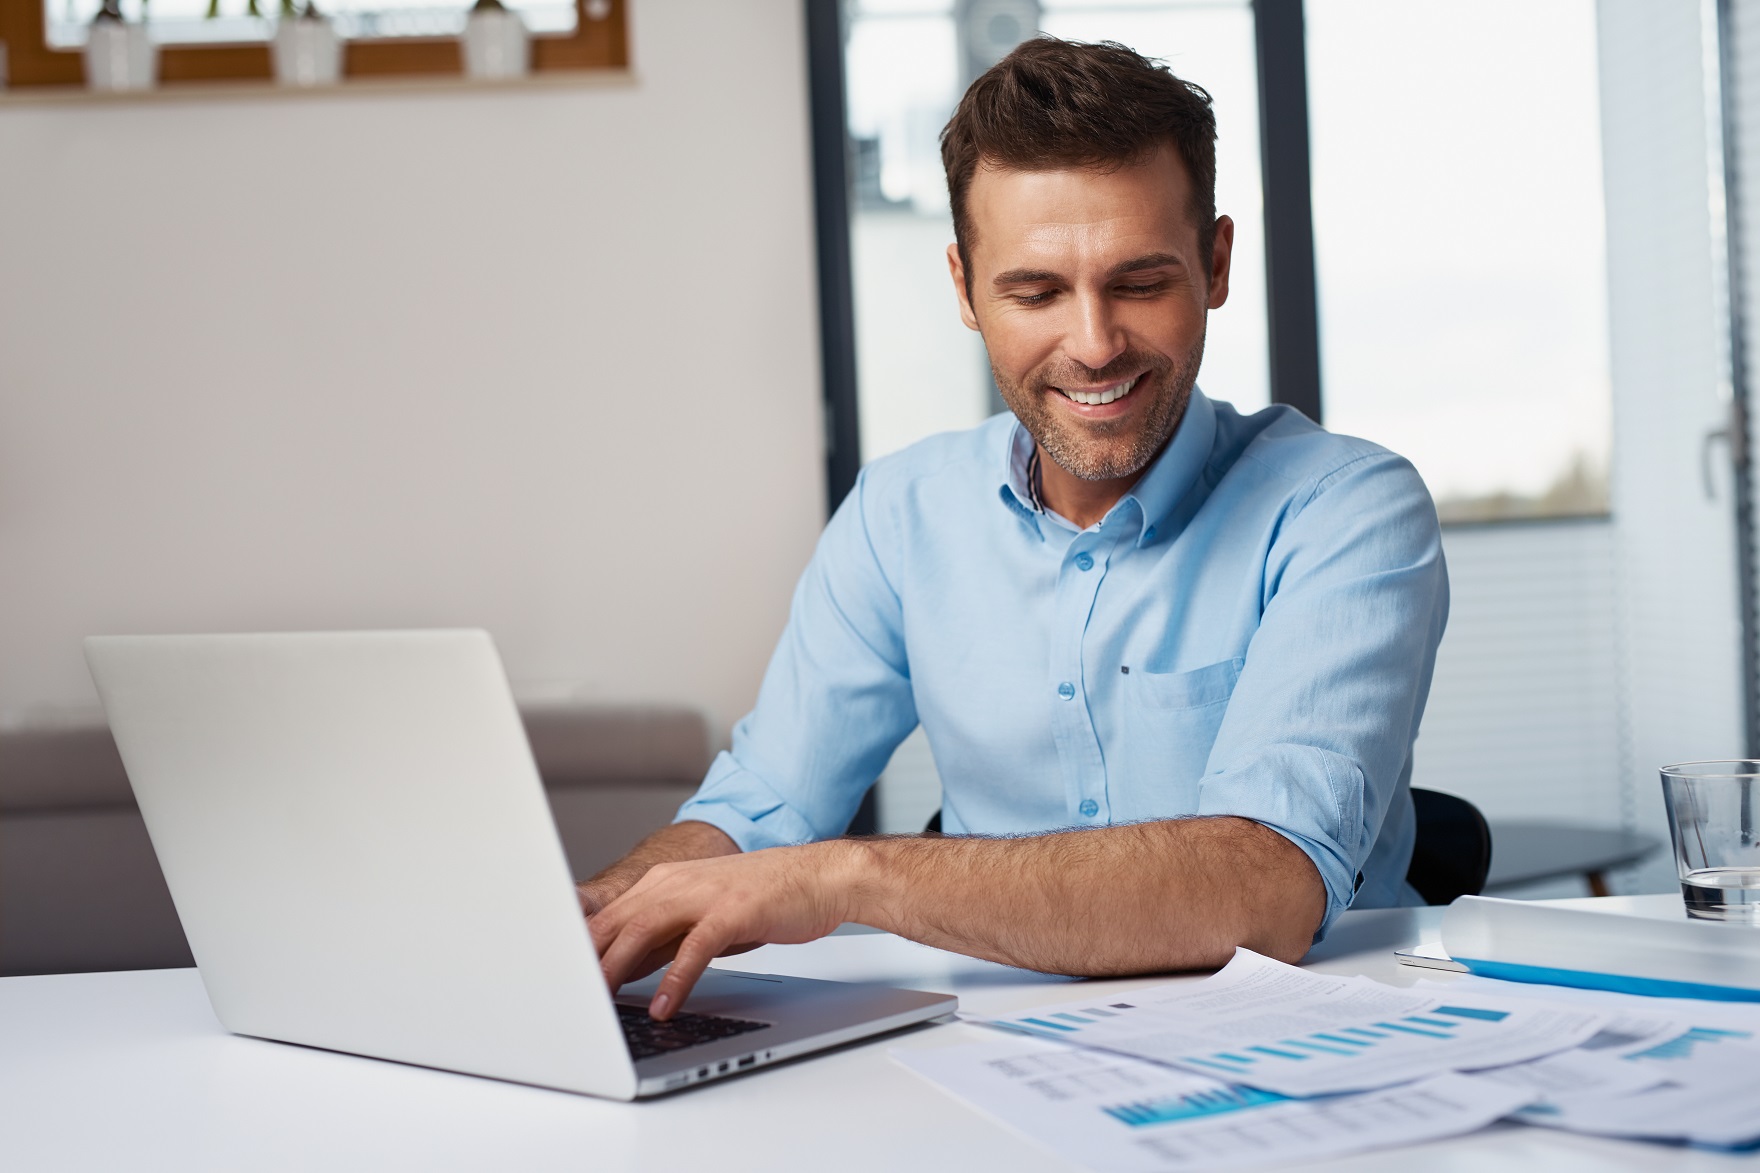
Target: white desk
[[131, 1071]]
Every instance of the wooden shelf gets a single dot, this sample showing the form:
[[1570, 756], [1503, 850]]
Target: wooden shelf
[[595, 46]]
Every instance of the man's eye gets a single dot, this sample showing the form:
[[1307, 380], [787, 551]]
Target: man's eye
[[1143, 290], [1035, 298]]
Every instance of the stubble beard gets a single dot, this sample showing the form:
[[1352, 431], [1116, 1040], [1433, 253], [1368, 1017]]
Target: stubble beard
[[1104, 450]]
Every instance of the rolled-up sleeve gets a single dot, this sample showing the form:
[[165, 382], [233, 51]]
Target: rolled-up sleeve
[[835, 702], [1317, 738]]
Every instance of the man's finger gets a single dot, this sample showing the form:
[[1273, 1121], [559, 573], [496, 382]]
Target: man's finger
[[654, 960], [651, 930], [701, 946], [606, 925]]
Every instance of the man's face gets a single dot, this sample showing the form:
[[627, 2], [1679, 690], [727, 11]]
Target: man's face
[[1092, 298]]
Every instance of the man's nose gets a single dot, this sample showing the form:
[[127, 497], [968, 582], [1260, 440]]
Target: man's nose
[[1095, 337]]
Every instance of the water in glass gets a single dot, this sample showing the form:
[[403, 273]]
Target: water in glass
[[1723, 893]]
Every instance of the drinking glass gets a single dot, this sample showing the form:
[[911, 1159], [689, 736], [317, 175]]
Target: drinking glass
[[1712, 820]]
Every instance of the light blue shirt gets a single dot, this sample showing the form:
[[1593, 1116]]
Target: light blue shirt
[[1250, 631]]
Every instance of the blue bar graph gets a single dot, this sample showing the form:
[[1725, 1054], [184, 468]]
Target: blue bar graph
[[1307, 1046], [1230, 1068], [1048, 1025], [1414, 1030], [1319, 1050], [1351, 1041], [1683, 1046], [1472, 1012], [1192, 1105]]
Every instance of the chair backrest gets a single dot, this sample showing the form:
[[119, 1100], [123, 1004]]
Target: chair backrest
[[1452, 852]]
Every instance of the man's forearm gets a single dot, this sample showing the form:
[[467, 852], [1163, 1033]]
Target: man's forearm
[[670, 844], [1155, 896]]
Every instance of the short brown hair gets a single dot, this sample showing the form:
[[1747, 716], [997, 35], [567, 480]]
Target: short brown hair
[[1052, 104]]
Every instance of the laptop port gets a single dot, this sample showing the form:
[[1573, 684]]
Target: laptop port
[[702, 1073], [748, 1061], [721, 1068]]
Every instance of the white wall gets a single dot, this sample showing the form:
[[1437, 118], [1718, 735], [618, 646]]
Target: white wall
[[540, 360]]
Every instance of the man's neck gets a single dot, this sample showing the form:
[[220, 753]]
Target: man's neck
[[1080, 502]]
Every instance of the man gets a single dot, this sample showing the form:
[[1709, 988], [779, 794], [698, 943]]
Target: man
[[1170, 659]]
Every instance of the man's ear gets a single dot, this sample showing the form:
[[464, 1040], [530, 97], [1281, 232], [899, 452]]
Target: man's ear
[[1220, 255], [957, 270]]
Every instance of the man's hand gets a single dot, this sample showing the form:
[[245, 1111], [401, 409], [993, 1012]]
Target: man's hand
[[693, 912], [688, 840]]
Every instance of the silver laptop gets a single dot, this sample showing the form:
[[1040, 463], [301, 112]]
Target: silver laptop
[[361, 853]]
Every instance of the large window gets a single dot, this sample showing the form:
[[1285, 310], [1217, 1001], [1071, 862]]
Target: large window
[[1460, 245], [205, 41]]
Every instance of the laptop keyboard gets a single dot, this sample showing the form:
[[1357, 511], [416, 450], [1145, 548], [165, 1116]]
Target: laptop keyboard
[[649, 1036]]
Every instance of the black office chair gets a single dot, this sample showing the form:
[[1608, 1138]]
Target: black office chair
[[1450, 858], [1452, 853]]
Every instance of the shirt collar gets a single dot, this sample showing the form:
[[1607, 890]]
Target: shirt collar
[[1161, 487], [1017, 483]]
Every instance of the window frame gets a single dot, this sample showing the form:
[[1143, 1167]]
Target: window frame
[[595, 44]]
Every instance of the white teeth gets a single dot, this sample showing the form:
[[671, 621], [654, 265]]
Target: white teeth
[[1096, 398]]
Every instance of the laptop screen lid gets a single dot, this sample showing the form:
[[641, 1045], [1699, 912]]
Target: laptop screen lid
[[360, 850]]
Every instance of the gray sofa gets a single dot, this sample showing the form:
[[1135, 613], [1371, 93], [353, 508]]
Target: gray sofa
[[80, 889]]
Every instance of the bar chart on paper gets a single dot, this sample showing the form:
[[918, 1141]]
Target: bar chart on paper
[[1693, 1043], [1280, 1029], [1193, 1105], [1444, 1022], [1107, 1111]]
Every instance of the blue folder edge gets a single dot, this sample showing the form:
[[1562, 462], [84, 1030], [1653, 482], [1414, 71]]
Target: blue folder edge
[[1587, 980]]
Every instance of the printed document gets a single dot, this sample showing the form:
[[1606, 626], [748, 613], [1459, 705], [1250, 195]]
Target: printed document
[[1722, 1115], [1124, 1115], [1696, 1066], [1274, 1027]]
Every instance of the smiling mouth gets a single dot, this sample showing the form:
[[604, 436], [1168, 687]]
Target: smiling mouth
[[1100, 395]]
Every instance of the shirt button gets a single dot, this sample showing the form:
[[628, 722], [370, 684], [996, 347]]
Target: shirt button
[[1089, 808], [1149, 534], [1067, 691], [1084, 562]]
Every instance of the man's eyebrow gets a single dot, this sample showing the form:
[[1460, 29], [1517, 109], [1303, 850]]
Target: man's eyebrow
[[1026, 277], [1046, 276], [1147, 261]]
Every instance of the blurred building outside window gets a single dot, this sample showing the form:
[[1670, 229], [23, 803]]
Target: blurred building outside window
[[1460, 244], [197, 22]]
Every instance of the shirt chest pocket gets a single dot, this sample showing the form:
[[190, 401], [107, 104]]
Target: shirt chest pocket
[[1200, 688], [1172, 720]]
